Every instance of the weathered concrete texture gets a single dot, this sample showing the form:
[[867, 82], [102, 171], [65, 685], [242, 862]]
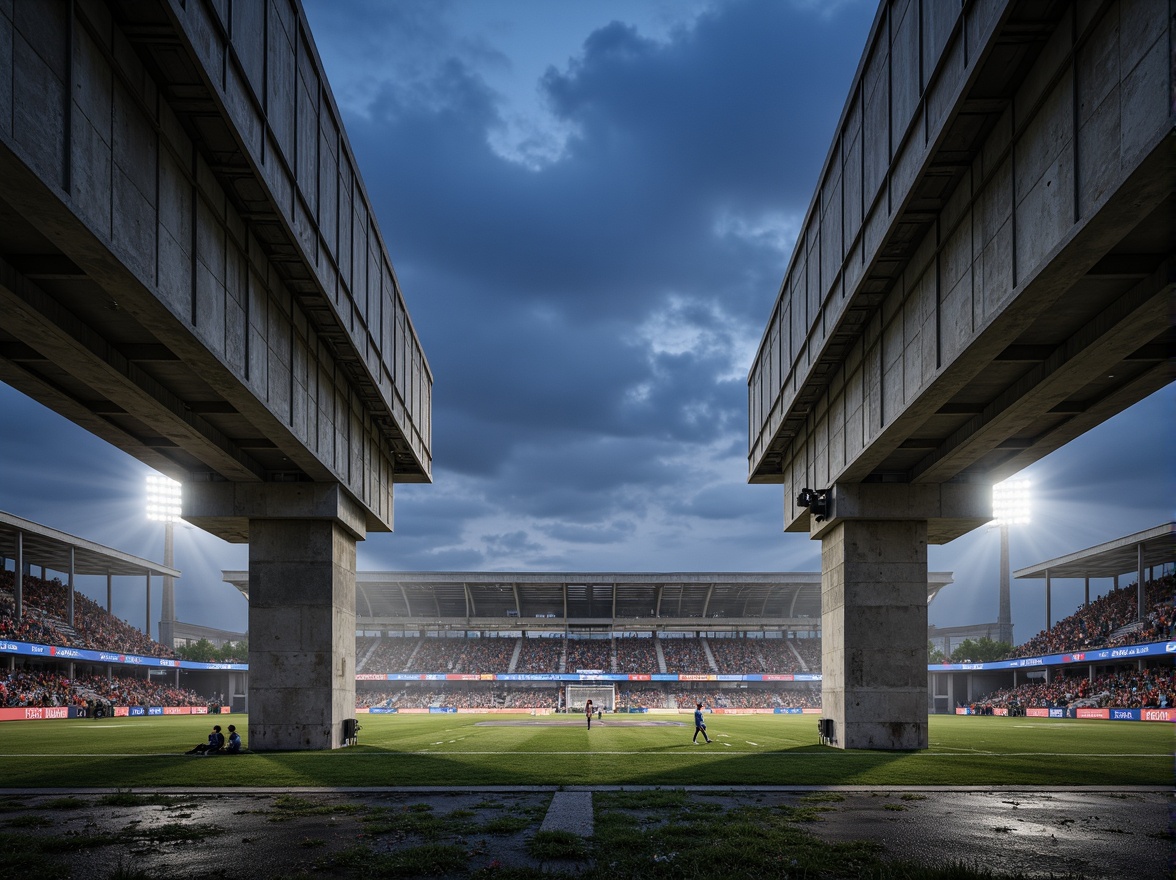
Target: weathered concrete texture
[[874, 634], [569, 811], [182, 225], [301, 633], [993, 278]]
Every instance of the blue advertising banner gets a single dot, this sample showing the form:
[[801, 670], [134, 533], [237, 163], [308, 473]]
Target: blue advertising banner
[[382, 710], [29, 649], [1126, 715], [155, 710], [789, 711], [442, 710], [1099, 655], [137, 710]]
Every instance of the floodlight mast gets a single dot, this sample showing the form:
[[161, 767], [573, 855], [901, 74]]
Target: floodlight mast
[[1010, 506], [164, 497]]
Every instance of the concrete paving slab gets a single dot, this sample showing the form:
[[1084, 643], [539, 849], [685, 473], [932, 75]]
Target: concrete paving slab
[[570, 811]]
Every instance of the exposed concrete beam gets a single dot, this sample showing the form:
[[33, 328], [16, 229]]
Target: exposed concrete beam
[[1097, 347], [63, 338]]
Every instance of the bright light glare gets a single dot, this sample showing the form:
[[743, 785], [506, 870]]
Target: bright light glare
[[1010, 503], [163, 498]]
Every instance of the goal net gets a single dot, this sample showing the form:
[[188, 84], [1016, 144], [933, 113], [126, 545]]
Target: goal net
[[603, 696]]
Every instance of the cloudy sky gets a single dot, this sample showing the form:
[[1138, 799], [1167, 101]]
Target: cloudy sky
[[590, 206]]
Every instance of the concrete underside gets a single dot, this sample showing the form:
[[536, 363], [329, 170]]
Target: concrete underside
[[301, 634]]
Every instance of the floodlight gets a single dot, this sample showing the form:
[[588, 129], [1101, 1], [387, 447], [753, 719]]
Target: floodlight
[[163, 499], [1010, 503]]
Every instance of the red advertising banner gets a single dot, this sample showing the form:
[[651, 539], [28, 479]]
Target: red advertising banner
[[33, 713], [203, 710], [1157, 714], [1093, 713], [1037, 713], [177, 710], [122, 711]]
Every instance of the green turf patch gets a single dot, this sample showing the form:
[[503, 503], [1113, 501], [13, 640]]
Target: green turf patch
[[547, 846], [287, 807], [454, 750]]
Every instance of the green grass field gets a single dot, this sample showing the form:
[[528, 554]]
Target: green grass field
[[421, 750]]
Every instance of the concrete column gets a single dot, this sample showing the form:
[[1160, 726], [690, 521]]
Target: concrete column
[[148, 604], [874, 633], [301, 633]]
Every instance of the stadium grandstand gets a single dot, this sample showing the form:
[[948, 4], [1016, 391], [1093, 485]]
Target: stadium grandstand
[[528, 641], [506, 639], [60, 649]]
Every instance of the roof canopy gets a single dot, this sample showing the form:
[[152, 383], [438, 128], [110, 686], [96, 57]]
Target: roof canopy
[[43, 546], [587, 598], [1113, 558]]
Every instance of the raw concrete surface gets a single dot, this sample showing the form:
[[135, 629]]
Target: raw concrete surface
[[262, 833]]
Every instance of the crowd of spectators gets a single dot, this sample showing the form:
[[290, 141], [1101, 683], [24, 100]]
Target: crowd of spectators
[[642, 698], [1091, 625], [459, 697], [42, 688], [389, 655], [808, 698], [637, 656], [736, 655], [685, 655], [1125, 689], [46, 620], [539, 655], [589, 654], [626, 655]]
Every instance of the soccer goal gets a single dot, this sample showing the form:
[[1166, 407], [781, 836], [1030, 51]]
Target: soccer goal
[[603, 696]]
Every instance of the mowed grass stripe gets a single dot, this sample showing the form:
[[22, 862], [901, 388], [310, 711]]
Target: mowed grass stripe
[[444, 750]]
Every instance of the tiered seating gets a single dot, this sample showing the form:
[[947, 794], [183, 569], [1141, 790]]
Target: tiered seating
[[1092, 625]]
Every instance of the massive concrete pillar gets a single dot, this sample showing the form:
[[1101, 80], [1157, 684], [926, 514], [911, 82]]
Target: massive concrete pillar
[[874, 633], [874, 539], [302, 540], [301, 633]]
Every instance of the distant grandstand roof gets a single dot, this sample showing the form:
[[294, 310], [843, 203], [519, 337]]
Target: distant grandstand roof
[[1120, 556], [44, 546], [537, 600]]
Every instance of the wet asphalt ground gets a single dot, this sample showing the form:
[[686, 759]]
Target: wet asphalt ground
[[263, 833]]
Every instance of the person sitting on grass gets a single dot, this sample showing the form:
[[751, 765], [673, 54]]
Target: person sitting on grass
[[234, 746], [216, 742]]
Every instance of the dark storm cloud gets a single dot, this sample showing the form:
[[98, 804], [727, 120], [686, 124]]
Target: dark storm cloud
[[588, 319]]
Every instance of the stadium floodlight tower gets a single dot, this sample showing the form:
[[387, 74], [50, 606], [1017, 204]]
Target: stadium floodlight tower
[[1010, 506], [164, 497]]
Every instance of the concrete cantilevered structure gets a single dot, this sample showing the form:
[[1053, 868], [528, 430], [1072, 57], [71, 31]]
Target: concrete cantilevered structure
[[984, 273], [190, 268]]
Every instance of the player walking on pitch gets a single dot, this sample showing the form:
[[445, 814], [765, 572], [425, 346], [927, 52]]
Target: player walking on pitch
[[699, 725], [588, 713]]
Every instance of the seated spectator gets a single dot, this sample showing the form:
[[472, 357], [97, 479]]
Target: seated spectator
[[216, 742]]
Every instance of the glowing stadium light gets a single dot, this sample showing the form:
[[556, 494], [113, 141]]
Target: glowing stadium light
[[1010, 503], [163, 499]]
